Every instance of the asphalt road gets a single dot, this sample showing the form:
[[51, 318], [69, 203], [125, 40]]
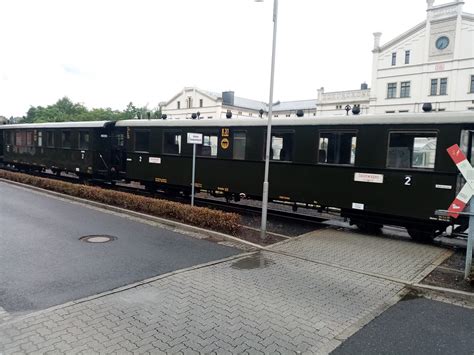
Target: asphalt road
[[43, 262], [416, 326]]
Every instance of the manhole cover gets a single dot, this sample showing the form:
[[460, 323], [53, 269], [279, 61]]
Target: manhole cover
[[97, 238]]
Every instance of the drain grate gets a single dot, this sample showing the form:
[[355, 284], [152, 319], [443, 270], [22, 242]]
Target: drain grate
[[98, 238]]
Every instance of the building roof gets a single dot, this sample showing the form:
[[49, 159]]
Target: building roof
[[249, 104]]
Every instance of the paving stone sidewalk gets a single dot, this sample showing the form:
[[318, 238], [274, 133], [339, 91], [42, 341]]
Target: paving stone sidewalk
[[265, 303], [393, 258]]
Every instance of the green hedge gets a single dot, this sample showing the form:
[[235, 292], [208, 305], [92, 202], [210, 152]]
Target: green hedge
[[197, 216]]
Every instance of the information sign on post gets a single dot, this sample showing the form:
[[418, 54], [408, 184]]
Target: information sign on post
[[194, 138], [463, 198]]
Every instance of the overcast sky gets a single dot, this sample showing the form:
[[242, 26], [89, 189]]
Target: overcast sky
[[106, 53]]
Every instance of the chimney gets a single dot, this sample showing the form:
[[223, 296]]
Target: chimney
[[377, 36], [430, 3], [228, 98], [320, 92], [364, 86]]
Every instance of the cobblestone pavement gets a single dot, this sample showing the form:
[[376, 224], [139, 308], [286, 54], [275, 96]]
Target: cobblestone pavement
[[263, 303], [381, 256]]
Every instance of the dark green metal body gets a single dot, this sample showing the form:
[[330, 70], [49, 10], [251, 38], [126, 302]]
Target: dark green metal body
[[304, 180], [45, 149]]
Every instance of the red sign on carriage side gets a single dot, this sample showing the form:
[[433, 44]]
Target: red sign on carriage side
[[467, 172]]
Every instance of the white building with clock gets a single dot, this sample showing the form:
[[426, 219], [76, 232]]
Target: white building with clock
[[432, 62]]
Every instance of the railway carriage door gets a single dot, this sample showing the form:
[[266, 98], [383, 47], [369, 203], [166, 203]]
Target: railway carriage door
[[471, 148], [118, 150], [467, 145]]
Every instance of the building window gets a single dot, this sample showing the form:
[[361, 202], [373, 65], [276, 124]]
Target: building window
[[405, 89], [443, 86], [412, 150], [240, 141], [394, 58], [172, 143], [84, 140], [337, 148], [282, 146], [472, 84], [288, 115], [142, 141], [208, 148], [66, 139], [407, 57], [391, 90], [189, 102], [200, 102], [179, 105], [434, 87]]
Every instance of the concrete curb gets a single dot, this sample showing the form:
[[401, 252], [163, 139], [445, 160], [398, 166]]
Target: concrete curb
[[423, 287], [139, 215]]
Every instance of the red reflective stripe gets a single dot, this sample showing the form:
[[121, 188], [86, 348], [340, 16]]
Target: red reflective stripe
[[456, 154], [456, 207]]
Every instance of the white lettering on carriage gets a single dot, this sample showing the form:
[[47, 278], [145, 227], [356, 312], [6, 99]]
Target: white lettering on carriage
[[444, 187], [357, 206], [366, 177], [154, 160]]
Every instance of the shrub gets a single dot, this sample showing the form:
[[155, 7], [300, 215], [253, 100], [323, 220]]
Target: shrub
[[197, 216]]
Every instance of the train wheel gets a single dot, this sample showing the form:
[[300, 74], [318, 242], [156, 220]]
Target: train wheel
[[424, 236], [369, 228]]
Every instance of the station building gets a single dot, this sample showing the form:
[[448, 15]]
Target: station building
[[193, 102], [432, 62]]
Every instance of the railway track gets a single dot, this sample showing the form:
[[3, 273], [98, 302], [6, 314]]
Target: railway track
[[277, 216]]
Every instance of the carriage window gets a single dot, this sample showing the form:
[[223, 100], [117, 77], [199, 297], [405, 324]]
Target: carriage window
[[142, 141], [66, 139], [20, 138], [120, 140], [337, 148], [282, 146], [412, 150], [40, 139], [84, 140], [29, 138], [240, 141], [9, 137], [208, 148], [471, 153], [172, 143], [50, 139]]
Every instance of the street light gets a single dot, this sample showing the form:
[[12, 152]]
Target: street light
[[263, 228]]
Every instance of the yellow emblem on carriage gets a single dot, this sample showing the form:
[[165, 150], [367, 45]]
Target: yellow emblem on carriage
[[224, 143]]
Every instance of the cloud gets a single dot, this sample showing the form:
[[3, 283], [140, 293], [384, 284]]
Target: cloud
[[70, 69]]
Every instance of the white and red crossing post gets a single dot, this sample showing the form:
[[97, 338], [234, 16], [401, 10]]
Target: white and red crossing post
[[463, 198]]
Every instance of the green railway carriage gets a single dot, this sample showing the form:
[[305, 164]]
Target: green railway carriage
[[387, 169], [83, 148], [1, 147]]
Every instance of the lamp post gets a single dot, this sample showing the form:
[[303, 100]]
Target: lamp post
[[263, 228]]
